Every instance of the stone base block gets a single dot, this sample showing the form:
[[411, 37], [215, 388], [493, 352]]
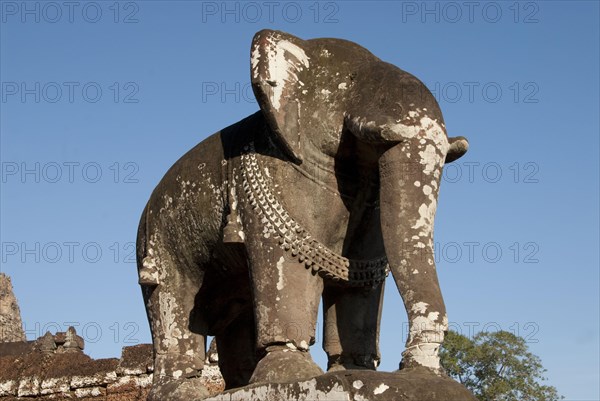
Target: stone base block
[[356, 385]]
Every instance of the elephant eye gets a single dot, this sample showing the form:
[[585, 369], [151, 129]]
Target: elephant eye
[[399, 109]]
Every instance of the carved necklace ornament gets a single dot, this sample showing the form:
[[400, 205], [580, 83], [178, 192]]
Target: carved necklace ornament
[[296, 240]]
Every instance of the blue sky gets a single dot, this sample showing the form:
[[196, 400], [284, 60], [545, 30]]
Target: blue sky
[[100, 98]]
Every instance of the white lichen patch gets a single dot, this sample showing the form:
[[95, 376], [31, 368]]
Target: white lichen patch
[[167, 307], [280, 280], [54, 385], [433, 316], [357, 384], [8, 387], [429, 159], [148, 274], [281, 68], [426, 216], [420, 307], [380, 389], [425, 354], [233, 194], [426, 329], [427, 128], [255, 61], [88, 392], [343, 86]]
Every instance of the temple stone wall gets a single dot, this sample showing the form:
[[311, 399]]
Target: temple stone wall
[[34, 370], [54, 367]]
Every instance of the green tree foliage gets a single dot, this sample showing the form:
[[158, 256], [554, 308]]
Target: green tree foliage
[[496, 366]]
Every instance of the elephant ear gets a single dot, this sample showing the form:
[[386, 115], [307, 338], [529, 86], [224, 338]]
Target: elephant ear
[[278, 62]]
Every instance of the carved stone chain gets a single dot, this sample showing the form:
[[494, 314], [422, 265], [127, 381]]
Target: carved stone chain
[[296, 240]]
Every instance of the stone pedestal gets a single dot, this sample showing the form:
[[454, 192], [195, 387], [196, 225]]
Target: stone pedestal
[[357, 385]]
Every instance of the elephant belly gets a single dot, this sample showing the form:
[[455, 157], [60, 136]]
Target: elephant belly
[[185, 212]]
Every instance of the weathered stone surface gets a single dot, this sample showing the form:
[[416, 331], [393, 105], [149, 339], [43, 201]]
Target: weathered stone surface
[[357, 385], [53, 385], [29, 386], [11, 326], [95, 373], [60, 342], [70, 374], [129, 383], [212, 379], [139, 394], [16, 348], [28, 373], [135, 360], [90, 392], [69, 341], [8, 387]]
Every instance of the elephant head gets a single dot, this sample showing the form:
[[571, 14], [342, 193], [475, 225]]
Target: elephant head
[[313, 89], [312, 93]]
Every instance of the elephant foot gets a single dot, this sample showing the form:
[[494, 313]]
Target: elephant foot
[[354, 362], [336, 368], [283, 364], [179, 390], [423, 357]]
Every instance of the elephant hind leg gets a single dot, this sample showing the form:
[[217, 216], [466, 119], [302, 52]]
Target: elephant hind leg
[[178, 333]]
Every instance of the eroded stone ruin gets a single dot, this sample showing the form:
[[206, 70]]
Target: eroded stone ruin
[[55, 367]]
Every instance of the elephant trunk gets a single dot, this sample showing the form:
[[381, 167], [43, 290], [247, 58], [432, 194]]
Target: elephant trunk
[[410, 177]]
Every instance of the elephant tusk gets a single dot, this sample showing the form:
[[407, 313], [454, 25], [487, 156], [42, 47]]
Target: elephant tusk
[[458, 147]]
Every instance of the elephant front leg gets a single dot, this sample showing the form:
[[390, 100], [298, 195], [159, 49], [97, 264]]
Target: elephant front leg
[[410, 177], [286, 299]]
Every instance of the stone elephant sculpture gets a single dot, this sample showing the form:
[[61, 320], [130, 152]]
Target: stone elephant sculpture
[[332, 184]]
